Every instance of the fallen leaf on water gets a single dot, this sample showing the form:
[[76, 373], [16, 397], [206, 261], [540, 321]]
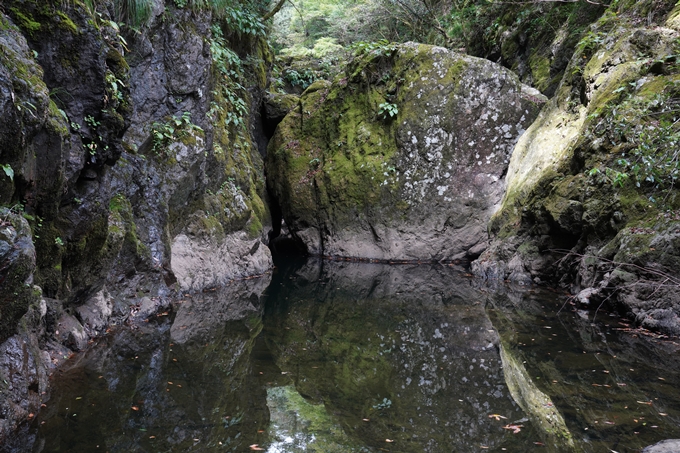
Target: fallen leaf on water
[[135, 408], [515, 428], [389, 440], [497, 417], [179, 385], [255, 447]]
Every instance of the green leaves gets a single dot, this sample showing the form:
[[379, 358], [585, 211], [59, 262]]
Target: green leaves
[[175, 128], [387, 110], [7, 168]]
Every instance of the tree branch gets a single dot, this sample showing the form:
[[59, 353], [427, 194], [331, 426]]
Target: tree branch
[[276, 9]]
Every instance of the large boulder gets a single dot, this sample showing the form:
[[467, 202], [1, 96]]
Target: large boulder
[[402, 157]]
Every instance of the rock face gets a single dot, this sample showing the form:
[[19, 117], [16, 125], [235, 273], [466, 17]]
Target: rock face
[[116, 154], [582, 205], [197, 197], [402, 158]]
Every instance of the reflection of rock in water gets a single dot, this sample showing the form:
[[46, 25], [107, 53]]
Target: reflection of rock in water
[[165, 387], [597, 376], [408, 347], [199, 317]]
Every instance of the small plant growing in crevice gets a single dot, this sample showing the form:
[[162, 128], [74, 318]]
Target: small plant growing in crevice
[[175, 128], [387, 110], [9, 171]]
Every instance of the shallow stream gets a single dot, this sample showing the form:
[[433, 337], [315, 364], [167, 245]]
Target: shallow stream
[[340, 357]]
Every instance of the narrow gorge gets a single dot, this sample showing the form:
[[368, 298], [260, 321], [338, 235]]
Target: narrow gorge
[[357, 260]]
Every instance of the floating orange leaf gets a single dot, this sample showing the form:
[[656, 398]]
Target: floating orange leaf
[[515, 428]]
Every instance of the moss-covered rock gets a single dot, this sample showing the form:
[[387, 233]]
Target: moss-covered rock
[[402, 157], [592, 178]]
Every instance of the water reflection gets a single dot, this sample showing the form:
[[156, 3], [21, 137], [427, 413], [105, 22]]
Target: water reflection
[[166, 386], [348, 357], [405, 358]]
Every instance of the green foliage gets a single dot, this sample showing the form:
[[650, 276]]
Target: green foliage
[[229, 90], [241, 21], [645, 127], [239, 17], [176, 128], [9, 172], [114, 93], [387, 110], [381, 48], [302, 79]]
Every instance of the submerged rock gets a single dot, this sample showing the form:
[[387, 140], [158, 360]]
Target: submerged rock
[[402, 158]]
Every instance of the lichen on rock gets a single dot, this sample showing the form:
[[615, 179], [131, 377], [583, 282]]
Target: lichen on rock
[[402, 157]]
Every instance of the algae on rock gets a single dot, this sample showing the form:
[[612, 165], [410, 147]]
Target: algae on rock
[[579, 184], [355, 182]]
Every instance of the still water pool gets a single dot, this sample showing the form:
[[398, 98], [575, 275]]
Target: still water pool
[[347, 357]]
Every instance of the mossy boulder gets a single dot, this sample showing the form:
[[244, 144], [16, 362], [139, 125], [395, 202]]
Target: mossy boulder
[[592, 178], [402, 157]]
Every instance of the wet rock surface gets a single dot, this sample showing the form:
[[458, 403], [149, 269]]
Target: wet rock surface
[[402, 157]]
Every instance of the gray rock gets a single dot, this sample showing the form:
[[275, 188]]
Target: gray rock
[[665, 446], [95, 313], [355, 180], [70, 333]]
